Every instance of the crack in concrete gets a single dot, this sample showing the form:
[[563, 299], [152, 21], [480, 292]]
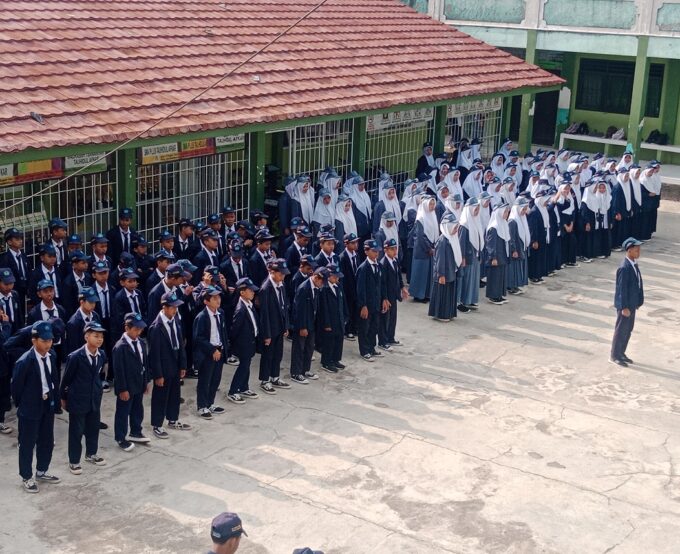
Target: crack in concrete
[[614, 546]]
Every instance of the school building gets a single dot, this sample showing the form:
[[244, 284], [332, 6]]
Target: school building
[[620, 60], [359, 85]]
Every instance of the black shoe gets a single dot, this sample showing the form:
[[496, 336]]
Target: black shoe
[[103, 425], [126, 445], [482, 284], [329, 368], [181, 400], [58, 411], [339, 365], [626, 359], [192, 374], [618, 362], [463, 309]]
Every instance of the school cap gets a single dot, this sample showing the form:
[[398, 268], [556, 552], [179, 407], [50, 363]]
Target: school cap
[[237, 250], [389, 243], [214, 218], [322, 271], [209, 234], [521, 201], [448, 218], [139, 241], [176, 270], [6, 276], [89, 295], [388, 184], [13, 233], [135, 320], [279, 265], [228, 210], [99, 238], [163, 254], [472, 201], [508, 180], [186, 222], [323, 237], [388, 216], [171, 299], [128, 273], [372, 245], [335, 270], [126, 260], [48, 249], [304, 231], [309, 260], [296, 222], [258, 214], [324, 192], [165, 234], [246, 283], [212, 269], [630, 242], [306, 550], [125, 213], [263, 236], [350, 237], [225, 526], [427, 144], [94, 327], [42, 330], [57, 223], [42, 284], [74, 239], [210, 291], [58, 327], [100, 267]]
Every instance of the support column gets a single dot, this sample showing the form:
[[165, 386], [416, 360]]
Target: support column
[[359, 145], [507, 118], [439, 134], [526, 121], [127, 181], [639, 96], [669, 107], [256, 144]]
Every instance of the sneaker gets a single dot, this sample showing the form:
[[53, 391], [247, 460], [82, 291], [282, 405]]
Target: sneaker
[[205, 413], [496, 301], [463, 309], [313, 357], [573, 265], [47, 478], [473, 306], [626, 359], [138, 438], [179, 426], [236, 398], [75, 469], [618, 362], [103, 425], [376, 354], [442, 319], [126, 445], [249, 394], [350, 336], [267, 387], [385, 347], [552, 273], [160, 433], [514, 291], [280, 383], [601, 257], [106, 387], [394, 342], [5, 429], [586, 260], [311, 376], [96, 460], [299, 379], [191, 374], [30, 486], [329, 368], [339, 365], [232, 360], [367, 357], [216, 410]]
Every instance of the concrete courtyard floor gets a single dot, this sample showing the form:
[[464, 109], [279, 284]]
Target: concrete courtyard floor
[[504, 431]]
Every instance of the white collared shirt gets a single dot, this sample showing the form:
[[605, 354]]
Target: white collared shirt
[[90, 356], [46, 274], [58, 246], [249, 309], [43, 310], [19, 261], [43, 379], [635, 268], [130, 342], [9, 307], [130, 296], [85, 316], [166, 321], [102, 294], [215, 338], [236, 266], [78, 279], [124, 234]]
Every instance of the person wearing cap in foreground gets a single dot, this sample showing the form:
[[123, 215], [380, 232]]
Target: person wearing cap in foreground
[[81, 396], [226, 531], [242, 339], [5, 374], [10, 300], [74, 281], [174, 276], [131, 382], [35, 394], [629, 296], [370, 300], [304, 313], [167, 364], [394, 292], [87, 300], [209, 348], [349, 264], [332, 319]]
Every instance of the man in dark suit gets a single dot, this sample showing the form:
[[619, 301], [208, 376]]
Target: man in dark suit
[[144, 262], [394, 290], [370, 299], [629, 296], [131, 382], [81, 395], [183, 243], [121, 236], [10, 302], [257, 265], [349, 264], [73, 243], [167, 363], [74, 281], [46, 269], [215, 223], [35, 394], [305, 308], [299, 248], [207, 255], [234, 267], [58, 233], [273, 326], [332, 318], [16, 260], [242, 340]]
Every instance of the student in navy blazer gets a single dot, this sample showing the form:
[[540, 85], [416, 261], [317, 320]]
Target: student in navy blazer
[[10, 301], [127, 299], [85, 314], [370, 300], [76, 279], [332, 318], [242, 339], [327, 254], [629, 296], [35, 394], [46, 269], [81, 396], [167, 363], [257, 265], [230, 266], [207, 255], [174, 276], [350, 260], [131, 382], [394, 291], [210, 348], [305, 308], [120, 237], [16, 260]]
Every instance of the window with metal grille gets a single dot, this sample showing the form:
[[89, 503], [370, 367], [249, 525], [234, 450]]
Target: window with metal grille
[[87, 203], [476, 119], [320, 145], [193, 188]]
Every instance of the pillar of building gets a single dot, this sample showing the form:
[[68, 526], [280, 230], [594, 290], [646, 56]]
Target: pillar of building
[[639, 96], [256, 144], [127, 180], [359, 145], [526, 120]]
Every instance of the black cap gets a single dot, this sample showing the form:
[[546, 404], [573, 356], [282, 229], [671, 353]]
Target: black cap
[[171, 299], [135, 320], [225, 526]]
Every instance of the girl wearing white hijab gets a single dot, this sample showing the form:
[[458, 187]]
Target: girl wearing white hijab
[[506, 148], [508, 190], [596, 216], [345, 222], [498, 165], [301, 192], [330, 180], [388, 202], [388, 229], [324, 212], [563, 157], [636, 187], [651, 195], [626, 161], [410, 213], [517, 275], [472, 242], [452, 181], [454, 205], [539, 229], [426, 231], [494, 189], [622, 208], [566, 205], [355, 188], [447, 259], [473, 183], [497, 246]]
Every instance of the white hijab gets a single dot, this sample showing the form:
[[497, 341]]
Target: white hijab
[[465, 158], [651, 182], [473, 224], [484, 212], [454, 182], [346, 217], [428, 219], [392, 205], [473, 183], [409, 198], [599, 203], [498, 165], [450, 231], [499, 223], [306, 199], [324, 214], [635, 184], [625, 187], [522, 224], [542, 205], [390, 232], [507, 194], [360, 199], [563, 161], [569, 199], [623, 163]]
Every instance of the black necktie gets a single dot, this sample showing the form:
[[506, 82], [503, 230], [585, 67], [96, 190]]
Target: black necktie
[[81, 284], [126, 242], [50, 274], [50, 312], [135, 345], [135, 304], [61, 252], [8, 309], [46, 372], [105, 305], [173, 335], [219, 328], [20, 266], [238, 270], [183, 246], [279, 293], [354, 264], [93, 362], [88, 319]]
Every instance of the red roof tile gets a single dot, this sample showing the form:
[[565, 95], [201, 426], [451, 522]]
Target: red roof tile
[[105, 70]]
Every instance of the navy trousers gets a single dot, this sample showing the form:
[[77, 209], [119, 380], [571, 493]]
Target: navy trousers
[[331, 346], [83, 424], [622, 331], [165, 401], [128, 410], [239, 382], [209, 377], [270, 360], [368, 332], [388, 325], [301, 353], [38, 435]]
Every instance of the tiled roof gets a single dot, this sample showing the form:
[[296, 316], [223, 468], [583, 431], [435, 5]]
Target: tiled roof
[[102, 71]]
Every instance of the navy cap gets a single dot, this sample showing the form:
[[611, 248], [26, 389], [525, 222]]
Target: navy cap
[[99, 238], [126, 260], [334, 270], [228, 210], [630, 242], [171, 299], [263, 236], [246, 283], [279, 264], [186, 265], [125, 213], [225, 526], [214, 218], [309, 260], [296, 222], [94, 327], [322, 271], [89, 295], [6, 276], [42, 330], [57, 223], [427, 144], [74, 239], [389, 243], [135, 320], [139, 240], [350, 237], [42, 284], [200, 225], [165, 234], [128, 273], [13, 233], [237, 249], [212, 269], [210, 291], [58, 327], [388, 216], [164, 254], [209, 234], [186, 222], [509, 180], [48, 249], [325, 229], [176, 270], [100, 267], [304, 231], [372, 245], [323, 237], [258, 214]]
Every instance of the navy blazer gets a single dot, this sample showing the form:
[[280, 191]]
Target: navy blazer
[[116, 242], [322, 261], [392, 281], [201, 260], [242, 333], [153, 304], [629, 292], [36, 315], [129, 373], [188, 253], [258, 268], [363, 223], [369, 289], [349, 279], [68, 296], [495, 248], [333, 312], [201, 344], [17, 310], [163, 360], [230, 275], [81, 384], [537, 228], [273, 320], [74, 331], [293, 257], [7, 259], [151, 281], [112, 294], [305, 307], [27, 385], [37, 275], [145, 266], [121, 306]]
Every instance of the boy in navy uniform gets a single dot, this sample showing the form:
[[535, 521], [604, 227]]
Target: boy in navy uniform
[[16, 260], [242, 338], [74, 281], [85, 314], [174, 276], [143, 261], [121, 236], [10, 301], [100, 246], [58, 233], [100, 274], [162, 259], [235, 267], [127, 299], [131, 382], [73, 243], [81, 396], [207, 255], [349, 264], [629, 296], [305, 308], [332, 319], [273, 326], [210, 346], [167, 363], [5, 374], [327, 256], [183, 243], [35, 394], [394, 290], [257, 264], [370, 299], [47, 269]]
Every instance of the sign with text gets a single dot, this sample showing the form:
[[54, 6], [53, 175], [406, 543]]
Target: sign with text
[[198, 147], [75, 163], [230, 141], [474, 106], [159, 153], [6, 174], [38, 170], [407, 118]]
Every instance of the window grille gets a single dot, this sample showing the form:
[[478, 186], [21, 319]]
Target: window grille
[[320, 145], [476, 119]]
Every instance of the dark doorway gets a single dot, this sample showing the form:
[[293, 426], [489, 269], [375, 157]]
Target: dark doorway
[[545, 116], [515, 111]]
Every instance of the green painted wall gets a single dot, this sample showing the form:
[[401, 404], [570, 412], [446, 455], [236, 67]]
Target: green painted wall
[[505, 11], [419, 5], [612, 14], [668, 17]]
